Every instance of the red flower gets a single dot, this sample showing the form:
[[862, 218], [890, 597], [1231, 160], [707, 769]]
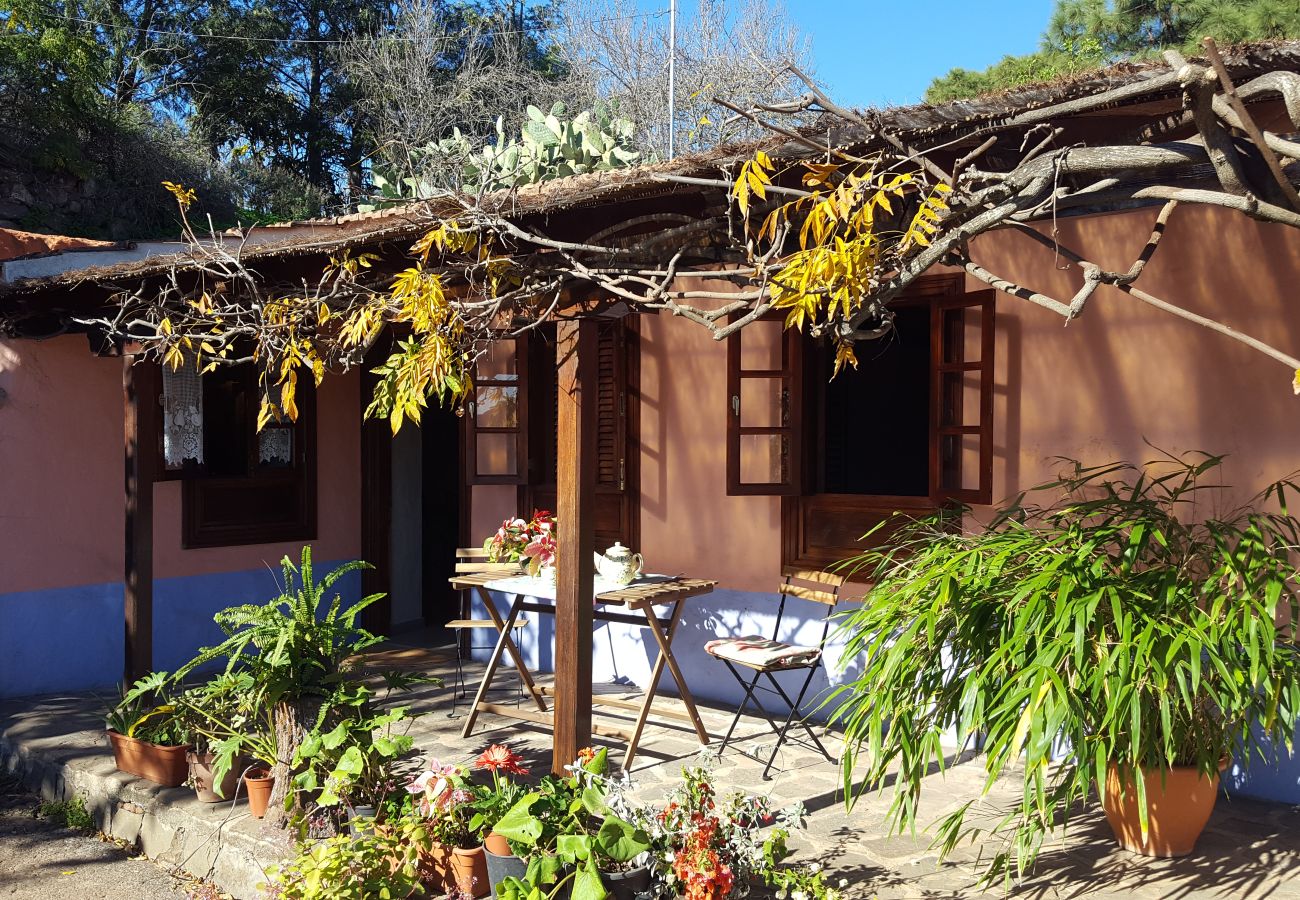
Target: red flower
[[499, 758]]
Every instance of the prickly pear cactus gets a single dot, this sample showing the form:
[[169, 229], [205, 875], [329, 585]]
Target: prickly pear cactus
[[548, 146]]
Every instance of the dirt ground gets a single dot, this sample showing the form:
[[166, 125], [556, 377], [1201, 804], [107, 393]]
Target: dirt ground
[[43, 859]]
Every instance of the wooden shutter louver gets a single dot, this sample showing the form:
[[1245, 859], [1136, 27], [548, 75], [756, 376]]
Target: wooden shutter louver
[[962, 342], [496, 425], [764, 410], [610, 403]]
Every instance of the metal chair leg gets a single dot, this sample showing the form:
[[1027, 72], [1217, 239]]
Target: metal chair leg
[[740, 710]]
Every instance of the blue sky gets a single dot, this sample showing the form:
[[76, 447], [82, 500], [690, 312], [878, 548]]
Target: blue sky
[[894, 49], [885, 52]]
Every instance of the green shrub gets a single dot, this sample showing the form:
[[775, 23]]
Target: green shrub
[[1127, 621]]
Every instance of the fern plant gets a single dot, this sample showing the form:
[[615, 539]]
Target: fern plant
[[298, 644]]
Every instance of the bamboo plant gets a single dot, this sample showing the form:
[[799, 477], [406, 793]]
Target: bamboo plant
[[1113, 616]]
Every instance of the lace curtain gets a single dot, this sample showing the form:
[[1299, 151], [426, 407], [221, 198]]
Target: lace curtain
[[275, 447], [182, 392]]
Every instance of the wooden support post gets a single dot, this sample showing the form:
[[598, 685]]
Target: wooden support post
[[576, 488], [141, 381]]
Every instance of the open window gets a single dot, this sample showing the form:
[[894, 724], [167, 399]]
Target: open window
[[239, 485], [764, 381], [909, 430], [496, 427]]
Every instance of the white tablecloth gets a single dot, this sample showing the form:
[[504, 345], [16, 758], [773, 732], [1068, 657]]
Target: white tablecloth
[[544, 589]]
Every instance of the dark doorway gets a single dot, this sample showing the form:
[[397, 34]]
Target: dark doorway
[[442, 519]]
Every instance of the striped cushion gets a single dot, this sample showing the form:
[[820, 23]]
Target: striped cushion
[[763, 653]]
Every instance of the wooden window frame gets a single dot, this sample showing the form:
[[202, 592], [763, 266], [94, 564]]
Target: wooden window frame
[[983, 431], [943, 292], [197, 486], [520, 429], [791, 379]]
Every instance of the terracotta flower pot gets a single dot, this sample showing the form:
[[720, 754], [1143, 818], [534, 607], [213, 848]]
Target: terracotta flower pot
[[200, 771], [259, 783], [469, 872], [495, 843], [152, 762], [1178, 806], [435, 868]]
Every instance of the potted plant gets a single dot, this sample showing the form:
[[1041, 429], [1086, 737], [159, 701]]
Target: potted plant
[[445, 798], [1122, 631], [530, 543], [491, 804], [383, 863], [574, 839], [214, 711], [149, 739]]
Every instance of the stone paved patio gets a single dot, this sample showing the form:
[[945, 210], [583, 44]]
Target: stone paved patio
[[1250, 850]]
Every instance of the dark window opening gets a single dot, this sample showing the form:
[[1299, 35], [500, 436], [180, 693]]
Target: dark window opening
[[251, 487], [875, 419]]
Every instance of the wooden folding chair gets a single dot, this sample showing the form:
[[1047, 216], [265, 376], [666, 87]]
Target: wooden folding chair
[[764, 657], [474, 560]]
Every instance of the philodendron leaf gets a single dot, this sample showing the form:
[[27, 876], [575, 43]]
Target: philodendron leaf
[[544, 870], [593, 800], [587, 885], [620, 840], [519, 824], [335, 738], [573, 848], [352, 762]]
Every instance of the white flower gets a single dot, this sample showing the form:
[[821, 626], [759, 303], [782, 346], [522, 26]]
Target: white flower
[[780, 895]]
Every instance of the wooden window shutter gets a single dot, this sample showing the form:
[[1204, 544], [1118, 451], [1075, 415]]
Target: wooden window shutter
[[611, 407], [961, 344], [764, 409], [496, 423]]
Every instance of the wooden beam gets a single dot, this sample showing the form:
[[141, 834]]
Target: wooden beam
[[575, 495], [141, 383]]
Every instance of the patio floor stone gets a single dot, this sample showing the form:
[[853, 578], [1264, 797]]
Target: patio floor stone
[[1250, 850]]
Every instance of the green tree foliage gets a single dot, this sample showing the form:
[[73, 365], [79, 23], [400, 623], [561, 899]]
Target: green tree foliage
[[1085, 34]]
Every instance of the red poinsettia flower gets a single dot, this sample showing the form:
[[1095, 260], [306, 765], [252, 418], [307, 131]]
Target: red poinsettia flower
[[500, 758]]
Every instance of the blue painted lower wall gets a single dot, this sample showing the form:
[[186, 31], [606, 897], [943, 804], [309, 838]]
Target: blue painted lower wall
[[70, 639], [624, 654]]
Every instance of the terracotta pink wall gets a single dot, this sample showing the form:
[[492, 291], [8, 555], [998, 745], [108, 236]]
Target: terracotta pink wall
[[1124, 371], [61, 475], [60, 465], [688, 523]]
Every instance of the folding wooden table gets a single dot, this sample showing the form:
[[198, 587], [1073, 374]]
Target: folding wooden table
[[653, 602]]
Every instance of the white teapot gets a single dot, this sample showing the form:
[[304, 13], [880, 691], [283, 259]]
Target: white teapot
[[619, 564]]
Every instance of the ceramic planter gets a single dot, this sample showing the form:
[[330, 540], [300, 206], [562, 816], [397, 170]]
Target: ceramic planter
[[469, 872], [627, 885], [1178, 807], [152, 762], [258, 783], [200, 776], [501, 866]]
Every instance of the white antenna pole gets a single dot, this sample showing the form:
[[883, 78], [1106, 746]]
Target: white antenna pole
[[672, 74]]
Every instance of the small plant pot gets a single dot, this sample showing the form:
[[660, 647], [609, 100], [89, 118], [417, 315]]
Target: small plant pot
[[435, 868], [1179, 805], [259, 784], [200, 769], [501, 866], [153, 762], [361, 812], [469, 872], [627, 885]]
